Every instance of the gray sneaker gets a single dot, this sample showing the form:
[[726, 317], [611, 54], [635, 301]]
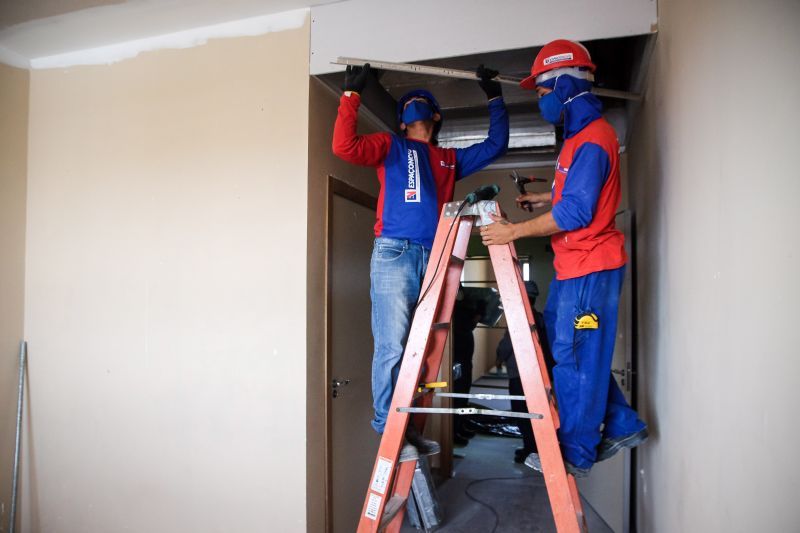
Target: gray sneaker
[[609, 447], [533, 461]]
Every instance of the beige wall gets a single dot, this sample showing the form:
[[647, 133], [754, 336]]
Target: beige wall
[[14, 84], [715, 185], [166, 291]]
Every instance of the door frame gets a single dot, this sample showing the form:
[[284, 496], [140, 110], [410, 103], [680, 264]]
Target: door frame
[[339, 187]]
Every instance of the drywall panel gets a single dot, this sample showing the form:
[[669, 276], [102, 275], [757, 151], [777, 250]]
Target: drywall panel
[[166, 291], [14, 85], [419, 29], [715, 184]]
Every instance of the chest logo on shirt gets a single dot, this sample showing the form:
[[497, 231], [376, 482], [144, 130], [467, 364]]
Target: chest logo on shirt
[[412, 190], [451, 166]]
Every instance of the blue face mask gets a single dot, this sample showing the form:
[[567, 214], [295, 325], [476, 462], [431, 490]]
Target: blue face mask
[[551, 108], [417, 110]]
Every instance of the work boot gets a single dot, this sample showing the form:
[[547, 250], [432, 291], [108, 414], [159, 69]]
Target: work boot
[[424, 446], [533, 461], [466, 433], [609, 447], [520, 454], [460, 440], [408, 453]]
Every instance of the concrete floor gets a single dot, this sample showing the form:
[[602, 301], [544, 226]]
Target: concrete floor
[[516, 493]]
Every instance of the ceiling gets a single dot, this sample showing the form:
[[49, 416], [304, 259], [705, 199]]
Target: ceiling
[[35, 29], [533, 142]]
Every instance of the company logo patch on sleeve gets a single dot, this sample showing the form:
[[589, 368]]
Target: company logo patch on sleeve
[[558, 58], [411, 195]]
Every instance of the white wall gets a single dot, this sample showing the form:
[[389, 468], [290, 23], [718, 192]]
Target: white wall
[[166, 291], [715, 184], [14, 85]]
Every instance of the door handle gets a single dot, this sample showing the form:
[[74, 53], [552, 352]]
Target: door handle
[[627, 375], [336, 383]]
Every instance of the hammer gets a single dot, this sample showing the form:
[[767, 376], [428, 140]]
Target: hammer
[[520, 182]]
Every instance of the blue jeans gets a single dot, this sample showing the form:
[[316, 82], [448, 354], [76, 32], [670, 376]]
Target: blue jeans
[[588, 396], [397, 269]]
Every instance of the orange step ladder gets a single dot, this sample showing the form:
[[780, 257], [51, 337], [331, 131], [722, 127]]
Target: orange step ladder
[[390, 483]]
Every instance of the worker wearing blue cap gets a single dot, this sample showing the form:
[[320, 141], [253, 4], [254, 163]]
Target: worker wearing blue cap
[[417, 177]]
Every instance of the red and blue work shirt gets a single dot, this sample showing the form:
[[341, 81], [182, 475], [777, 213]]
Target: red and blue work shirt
[[586, 195], [416, 178]]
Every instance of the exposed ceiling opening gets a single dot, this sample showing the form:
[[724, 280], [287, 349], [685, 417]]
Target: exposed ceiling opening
[[534, 142]]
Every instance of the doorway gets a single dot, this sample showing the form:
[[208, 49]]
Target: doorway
[[352, 443]]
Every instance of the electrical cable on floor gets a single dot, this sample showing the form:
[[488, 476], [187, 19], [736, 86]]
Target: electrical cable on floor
[[492, 509]]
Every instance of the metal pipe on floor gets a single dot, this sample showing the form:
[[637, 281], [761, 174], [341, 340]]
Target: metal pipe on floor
[[23, 356]]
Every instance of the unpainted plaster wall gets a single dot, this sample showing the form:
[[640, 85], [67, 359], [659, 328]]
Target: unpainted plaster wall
[[14, 85], [715, 186], [166, 291]]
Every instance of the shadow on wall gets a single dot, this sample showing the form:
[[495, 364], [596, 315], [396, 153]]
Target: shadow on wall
[[646, 184]]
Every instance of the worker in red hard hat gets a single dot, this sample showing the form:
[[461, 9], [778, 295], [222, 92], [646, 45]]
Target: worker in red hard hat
[[581, 310]]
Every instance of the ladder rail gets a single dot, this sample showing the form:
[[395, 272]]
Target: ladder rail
[[434, 355], [422, 336], [390, 481], [567, 510]]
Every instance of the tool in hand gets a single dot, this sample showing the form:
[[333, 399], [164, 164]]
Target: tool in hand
[[484, 192], [520, 182]]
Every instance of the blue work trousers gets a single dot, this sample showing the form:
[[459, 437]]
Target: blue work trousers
[[397, 269], [590, 405]]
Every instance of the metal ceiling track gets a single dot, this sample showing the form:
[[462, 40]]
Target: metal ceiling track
[[464, 75]]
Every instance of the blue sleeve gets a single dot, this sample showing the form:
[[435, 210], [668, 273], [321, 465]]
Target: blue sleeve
[[585, 179], [473, 158]]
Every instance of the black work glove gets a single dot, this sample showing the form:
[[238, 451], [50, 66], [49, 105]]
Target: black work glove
[[490, 87], [355, 78]]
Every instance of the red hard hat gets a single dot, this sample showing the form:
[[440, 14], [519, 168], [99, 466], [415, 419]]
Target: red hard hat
[[557, 54]]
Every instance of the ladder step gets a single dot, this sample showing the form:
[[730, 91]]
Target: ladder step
[[393, 506], [480, 396], [467, 411]]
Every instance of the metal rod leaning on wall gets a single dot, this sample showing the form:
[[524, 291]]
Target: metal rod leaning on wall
[[464, 75], [23, 359]]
